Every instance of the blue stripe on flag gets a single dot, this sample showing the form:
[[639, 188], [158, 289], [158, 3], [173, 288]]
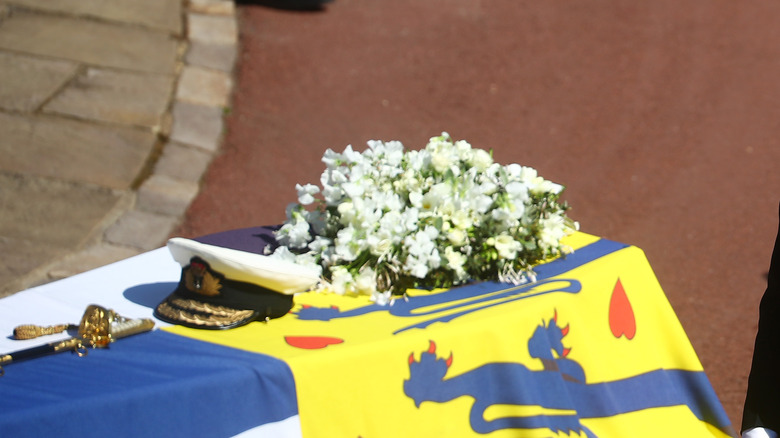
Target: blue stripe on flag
[[156, 383]]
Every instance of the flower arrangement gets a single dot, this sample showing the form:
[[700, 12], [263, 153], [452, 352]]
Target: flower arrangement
[[386, 219]]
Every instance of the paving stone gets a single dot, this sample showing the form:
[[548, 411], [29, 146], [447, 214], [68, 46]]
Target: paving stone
[[128, 98], [28, 81], [20, 260], [51, 212], [89, 41], [197, 125], [185, 163], [89, 258], [141, 229], [165, 195], [218, 29], [220, 57], [157, 14], [110, 156], [214, 7], [202, 86]]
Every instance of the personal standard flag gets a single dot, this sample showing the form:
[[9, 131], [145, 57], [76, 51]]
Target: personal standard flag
[[590, 349]]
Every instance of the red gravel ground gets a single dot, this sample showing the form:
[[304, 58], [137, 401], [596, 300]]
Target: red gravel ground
[[662, 121]]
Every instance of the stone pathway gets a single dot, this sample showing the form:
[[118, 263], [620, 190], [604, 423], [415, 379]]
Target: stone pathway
[[110, 113]]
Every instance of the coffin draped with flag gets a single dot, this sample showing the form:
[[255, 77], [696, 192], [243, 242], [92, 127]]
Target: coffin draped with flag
[[592, 348]]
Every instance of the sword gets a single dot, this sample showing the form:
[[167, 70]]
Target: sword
[[98, 328]]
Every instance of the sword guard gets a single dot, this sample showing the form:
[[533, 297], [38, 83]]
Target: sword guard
[[95, 327]]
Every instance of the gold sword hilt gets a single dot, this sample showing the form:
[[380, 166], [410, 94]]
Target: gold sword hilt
[[100, 326]]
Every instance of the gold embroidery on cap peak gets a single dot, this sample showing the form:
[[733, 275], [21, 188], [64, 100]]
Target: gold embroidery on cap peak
[[184, 314], [197, 306]]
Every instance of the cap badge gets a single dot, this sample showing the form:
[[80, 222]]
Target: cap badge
[[199, 279]]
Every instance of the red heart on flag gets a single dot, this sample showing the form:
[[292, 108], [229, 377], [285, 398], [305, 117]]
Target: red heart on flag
[[312, 342], [621, 316]]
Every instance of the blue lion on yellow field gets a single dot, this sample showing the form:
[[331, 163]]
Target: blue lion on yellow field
[[561, 386]]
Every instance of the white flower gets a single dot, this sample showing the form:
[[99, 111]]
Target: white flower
[[320, 244], [481, 203], [348, 246], [433, 198], [306, 193], [455, 260], [461, 219], [351, 156], [382, 298], [551, 187], [318, 221], [416, 266], [517, 191], [506, 246], [488, 188], [464, 150], [552, 231], [416, 199], [295, 232], [481, 159], [341, 280], [457, 236], [410, 219], [347, 212], [421, 242], [416, 160], [353, 190], [331, 158], [379, 244], [441, 160], [365, 283]]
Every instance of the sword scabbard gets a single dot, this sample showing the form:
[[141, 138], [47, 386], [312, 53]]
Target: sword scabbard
[[72, 344]]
